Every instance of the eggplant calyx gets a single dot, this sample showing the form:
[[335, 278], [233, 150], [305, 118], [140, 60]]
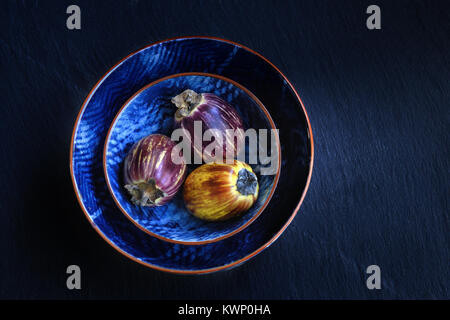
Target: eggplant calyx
[[247, 182], [144, 193], [186, 102]]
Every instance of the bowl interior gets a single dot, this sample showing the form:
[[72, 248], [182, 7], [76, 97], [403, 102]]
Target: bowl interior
[[151, 111]]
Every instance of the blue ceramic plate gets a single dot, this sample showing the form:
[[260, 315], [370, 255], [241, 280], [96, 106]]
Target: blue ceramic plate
[[166, 58], [151, 111]]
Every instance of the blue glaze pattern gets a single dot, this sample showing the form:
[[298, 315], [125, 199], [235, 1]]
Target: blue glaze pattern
[[168, 58], [151, 111]]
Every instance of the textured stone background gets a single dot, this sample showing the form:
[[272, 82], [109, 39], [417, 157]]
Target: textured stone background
[[378, 102]]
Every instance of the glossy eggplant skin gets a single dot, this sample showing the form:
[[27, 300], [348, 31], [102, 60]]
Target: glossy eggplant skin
[[220, 191], [214, 113], [150, 176]]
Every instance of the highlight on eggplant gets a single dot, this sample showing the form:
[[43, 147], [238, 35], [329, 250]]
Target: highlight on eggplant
[[214, 113], [151, 178], [220, 191]]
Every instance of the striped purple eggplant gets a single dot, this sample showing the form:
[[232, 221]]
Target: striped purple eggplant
[[150, 175], [211, 112]]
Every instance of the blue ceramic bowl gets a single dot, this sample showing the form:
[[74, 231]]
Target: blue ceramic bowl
[[166, 58], [151, 111]]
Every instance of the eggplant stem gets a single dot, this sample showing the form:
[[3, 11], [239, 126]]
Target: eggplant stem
[[186, 102], [247, 182], [144, 193]]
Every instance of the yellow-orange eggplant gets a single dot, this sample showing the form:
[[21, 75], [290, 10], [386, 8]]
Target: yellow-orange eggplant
[[220, 191]]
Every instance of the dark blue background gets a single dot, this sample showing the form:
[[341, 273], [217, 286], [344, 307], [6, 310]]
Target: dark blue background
[[378, 102]]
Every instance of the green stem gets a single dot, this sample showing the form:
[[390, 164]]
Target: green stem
[[144, 193]]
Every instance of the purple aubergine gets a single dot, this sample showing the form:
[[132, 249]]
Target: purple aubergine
[[211, 112], [150, 175]]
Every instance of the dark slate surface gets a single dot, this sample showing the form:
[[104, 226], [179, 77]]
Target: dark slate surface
[[378, 102]]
